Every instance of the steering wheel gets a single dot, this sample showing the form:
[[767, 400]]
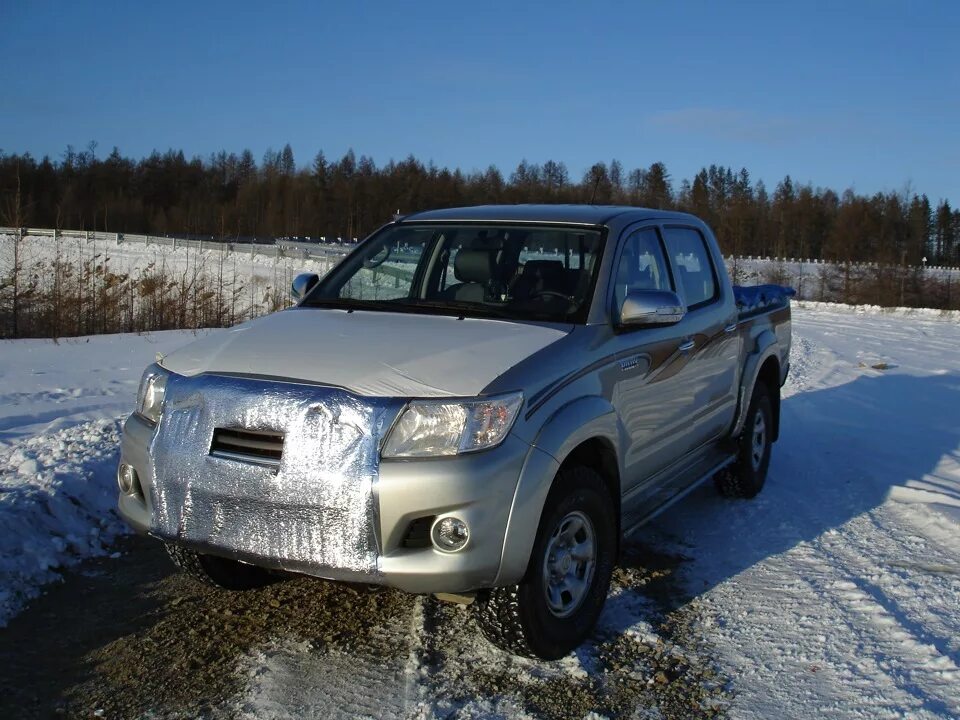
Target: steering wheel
[[376, 260], [550, 293]]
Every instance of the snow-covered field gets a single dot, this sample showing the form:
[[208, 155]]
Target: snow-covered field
[[255, 276], [836, 593]]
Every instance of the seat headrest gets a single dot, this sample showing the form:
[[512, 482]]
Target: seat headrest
[[485, 242], [543, 269], [474, 266]]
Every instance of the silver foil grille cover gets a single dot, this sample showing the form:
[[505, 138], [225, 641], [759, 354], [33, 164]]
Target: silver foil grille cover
[[260, 447], [313, 509]]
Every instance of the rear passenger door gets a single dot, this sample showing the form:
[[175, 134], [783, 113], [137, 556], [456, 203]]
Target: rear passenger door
[[709, 340]]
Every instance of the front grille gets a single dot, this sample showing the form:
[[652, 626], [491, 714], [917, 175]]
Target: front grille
[[259, 447]]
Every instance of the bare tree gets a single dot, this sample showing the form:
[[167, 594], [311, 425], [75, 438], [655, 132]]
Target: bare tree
[[14, 213]]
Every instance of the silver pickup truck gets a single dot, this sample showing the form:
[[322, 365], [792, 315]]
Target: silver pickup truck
[[476, 403]]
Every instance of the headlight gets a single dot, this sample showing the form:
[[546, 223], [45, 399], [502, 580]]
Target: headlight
[[429, 427], [153, 387]]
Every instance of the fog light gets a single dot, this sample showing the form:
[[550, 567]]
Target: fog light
[[450, 534], [127, 479]]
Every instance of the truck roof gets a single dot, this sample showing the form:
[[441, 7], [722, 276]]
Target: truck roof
[[572, 214]]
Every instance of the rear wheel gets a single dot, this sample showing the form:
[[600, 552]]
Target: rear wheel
[[553, 609], [746, 477], [217, 571]]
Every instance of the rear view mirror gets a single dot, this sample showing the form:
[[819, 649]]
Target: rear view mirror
[[302, 284], [651, 307]]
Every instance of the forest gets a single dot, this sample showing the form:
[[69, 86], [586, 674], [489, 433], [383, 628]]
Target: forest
[[231, 196], [880, 249]]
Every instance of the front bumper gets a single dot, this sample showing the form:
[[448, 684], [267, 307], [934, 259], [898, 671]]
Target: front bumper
[[477, 488]]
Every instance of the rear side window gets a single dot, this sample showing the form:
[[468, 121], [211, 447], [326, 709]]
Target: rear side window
[[692, 265]]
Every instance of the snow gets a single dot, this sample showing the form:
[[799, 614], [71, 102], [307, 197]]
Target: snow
[[834, 593], [837, 591], [60, 409], [258, 275]]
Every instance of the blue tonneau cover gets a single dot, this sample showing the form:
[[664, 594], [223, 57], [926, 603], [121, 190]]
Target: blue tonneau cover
[[756, 298]]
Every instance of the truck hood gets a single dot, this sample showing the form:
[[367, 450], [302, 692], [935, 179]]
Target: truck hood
[[377, 354]]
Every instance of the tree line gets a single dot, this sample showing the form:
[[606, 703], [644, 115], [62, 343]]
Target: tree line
[[229, 195]]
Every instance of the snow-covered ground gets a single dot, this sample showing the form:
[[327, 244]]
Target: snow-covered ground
[[835, 593], [60, 410]]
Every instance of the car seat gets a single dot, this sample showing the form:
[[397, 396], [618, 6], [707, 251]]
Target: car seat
[[538, 276], [476, 270]]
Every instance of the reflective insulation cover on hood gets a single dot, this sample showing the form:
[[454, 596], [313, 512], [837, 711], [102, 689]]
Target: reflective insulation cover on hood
[[316, 509]]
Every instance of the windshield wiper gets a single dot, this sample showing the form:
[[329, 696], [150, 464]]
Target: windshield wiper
[[455, 308], [354, 304], [463, 309]]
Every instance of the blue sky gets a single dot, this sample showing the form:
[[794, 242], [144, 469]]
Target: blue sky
[[840, 94]]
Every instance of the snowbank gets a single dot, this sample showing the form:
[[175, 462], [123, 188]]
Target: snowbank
[[60, 410], [926, 313]]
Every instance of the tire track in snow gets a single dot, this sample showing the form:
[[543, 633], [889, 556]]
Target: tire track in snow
[[882, 640], [840, 567], [908, 608], [916, 580]]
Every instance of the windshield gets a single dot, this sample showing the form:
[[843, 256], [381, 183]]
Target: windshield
[[471, 270]]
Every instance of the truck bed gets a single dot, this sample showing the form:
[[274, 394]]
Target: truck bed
[[755, 299]]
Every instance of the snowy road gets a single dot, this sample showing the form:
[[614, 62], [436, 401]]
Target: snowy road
[[836, 593]]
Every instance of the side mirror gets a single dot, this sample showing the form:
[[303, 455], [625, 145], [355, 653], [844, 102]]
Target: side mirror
[[651, 307], [302, 284]]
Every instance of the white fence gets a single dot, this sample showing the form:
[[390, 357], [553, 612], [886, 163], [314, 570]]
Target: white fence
[[815, 262], [281, 248], [795, 269]]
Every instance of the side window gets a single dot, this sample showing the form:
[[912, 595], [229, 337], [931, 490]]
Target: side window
[[642, 266], [692, 265], [388, 275]]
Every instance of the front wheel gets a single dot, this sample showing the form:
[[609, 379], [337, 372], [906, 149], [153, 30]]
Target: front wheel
[[217, 571], [554, 608]]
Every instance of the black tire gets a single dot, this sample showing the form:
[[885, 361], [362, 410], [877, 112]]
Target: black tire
[[217, 571], [745, 478], [518, 618]]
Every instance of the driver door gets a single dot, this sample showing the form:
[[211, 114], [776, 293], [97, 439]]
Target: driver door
[[652, 395]]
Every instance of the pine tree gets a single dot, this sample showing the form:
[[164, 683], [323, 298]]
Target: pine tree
[[287, 166], [657, 193], [945, 234]]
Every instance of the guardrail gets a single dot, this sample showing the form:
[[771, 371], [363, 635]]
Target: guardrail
[[280, 248]]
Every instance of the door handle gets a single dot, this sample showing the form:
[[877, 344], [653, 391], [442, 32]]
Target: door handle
[[730, 328], [687, 346]]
